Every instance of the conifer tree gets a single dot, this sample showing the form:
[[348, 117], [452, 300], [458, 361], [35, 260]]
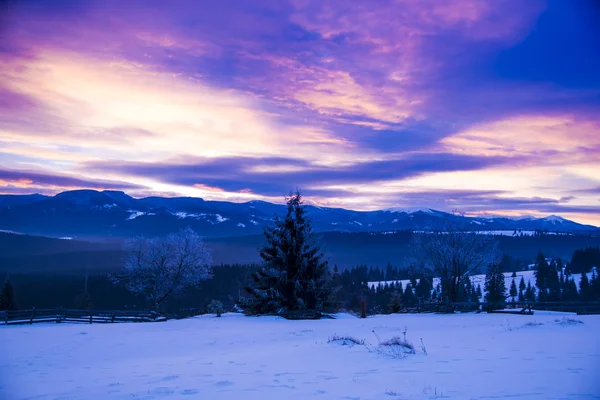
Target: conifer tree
[[8, 300], [294, 272], [595, 286], [395, 304], [408, 298], [585, 291], [522, 288], [570, 293], [522, 285], [495, 287], [542, 272], [530, 293], [513, 290], [479, 292], [554, 289]]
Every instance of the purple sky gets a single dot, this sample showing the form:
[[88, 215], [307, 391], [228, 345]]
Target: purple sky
[[468, 105]]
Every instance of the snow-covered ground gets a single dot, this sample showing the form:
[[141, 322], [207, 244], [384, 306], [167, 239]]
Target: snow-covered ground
[[470, 356]]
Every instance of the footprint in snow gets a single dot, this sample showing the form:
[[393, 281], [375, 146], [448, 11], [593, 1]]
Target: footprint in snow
[[223, 383], [187, 392]]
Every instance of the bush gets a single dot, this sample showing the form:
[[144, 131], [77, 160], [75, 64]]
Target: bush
[[215, 307], [346, 340]]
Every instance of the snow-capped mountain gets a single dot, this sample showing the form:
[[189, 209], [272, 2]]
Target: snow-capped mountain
[[89, 213]]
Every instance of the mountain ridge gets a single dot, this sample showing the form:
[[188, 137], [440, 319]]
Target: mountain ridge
[[86, 213]]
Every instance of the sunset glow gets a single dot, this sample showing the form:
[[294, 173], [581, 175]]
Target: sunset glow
[[465, 105]]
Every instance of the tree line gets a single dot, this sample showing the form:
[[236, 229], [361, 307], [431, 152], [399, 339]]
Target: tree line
[[176, 272]]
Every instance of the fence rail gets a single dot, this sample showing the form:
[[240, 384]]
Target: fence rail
[[15, 317], [58, 315]]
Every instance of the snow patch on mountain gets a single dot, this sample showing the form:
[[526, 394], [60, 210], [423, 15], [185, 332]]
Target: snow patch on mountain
[[241, 225], [555, 219], [182, 215], [410, 210], [134, 214], [220, 218]]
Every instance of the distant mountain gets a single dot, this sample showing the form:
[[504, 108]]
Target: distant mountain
[[94, 214]]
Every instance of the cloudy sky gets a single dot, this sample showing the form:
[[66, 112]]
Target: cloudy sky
[[486, 107]]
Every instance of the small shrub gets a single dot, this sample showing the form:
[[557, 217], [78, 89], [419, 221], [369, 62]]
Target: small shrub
[[568, 321], [392, 393], [346, 340], [532, 323], [407, 346], [215, 307]]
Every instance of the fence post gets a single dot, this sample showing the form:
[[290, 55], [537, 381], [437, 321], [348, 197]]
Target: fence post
[[6, 317], [112, 318], [91, 316], [32, 315], [57, 315]]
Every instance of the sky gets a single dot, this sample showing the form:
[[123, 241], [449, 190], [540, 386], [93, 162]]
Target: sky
[[481, 107]]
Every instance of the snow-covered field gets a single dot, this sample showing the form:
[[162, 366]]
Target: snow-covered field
[[470, 356]]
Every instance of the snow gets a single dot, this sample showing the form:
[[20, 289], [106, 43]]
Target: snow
[[554, 219], [183, 215], [253, 222], [134, 214], [66, 238], [470, 356], [357, 223], [109, 206], [410, 210], [220, 218], [241, 225]]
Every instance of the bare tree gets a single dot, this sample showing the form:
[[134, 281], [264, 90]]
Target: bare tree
[[159, 268], [455, 254]]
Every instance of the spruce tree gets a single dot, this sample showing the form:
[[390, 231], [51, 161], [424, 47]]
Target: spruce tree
[[495, 287], [479, 293], [513, 290], [395, 304], [522, 288], [408, 298], [294, 272], [595, 286], [542, 271], [8, 300], [585, 291], [530, 293], [553, 282], [570, 293], [522, 285]]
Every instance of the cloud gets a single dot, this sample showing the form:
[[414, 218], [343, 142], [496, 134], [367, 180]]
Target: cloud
[[277, 175], [242, 99], [15, 180]]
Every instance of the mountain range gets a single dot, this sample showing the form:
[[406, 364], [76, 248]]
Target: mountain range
[[114, 214]]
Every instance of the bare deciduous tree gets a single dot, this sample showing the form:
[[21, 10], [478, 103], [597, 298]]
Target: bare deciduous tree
[[159, 268], [455, 254]]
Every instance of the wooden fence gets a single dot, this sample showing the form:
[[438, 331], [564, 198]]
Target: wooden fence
[[579, 307], [58, 315]]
